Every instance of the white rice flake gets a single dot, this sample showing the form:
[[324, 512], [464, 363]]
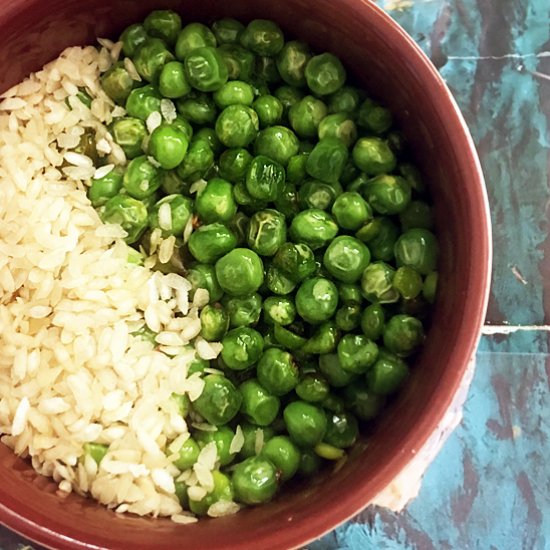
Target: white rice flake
[[238, 441], [20, 418], [168, 110], [154, 120]]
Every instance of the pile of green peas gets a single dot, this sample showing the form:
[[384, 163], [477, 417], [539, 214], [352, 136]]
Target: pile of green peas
[[312, 234]]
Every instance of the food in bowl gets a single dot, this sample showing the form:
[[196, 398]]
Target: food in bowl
[[217, 258]]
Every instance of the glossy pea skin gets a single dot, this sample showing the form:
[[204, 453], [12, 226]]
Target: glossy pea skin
[[348, 317], [216, 202], [129, 213], [264, 178], [258, 406], [237, 126], [374, 117], [387, 375], [239, 61], [306, 115], [342, 430], [233, 164], [296, 168], [168, 146], [296, 260], [325, 74], [292, 61], [219, 401], [132, 37], [263, 37], [403, 334], [284, 454], [266, 232], [105, 188], [172, 80], [214, 322], [339, 126], [288, 96], [242, 347], [324, 339], [316, 300], [372, 321], [192, 37], [345, 100], [346, 258], [377, 283], [255, 481], [129, 133], [286, 338], [269, 110], [141, 178], [165, 24], [205, 69], [407, 282], [210, 242], [312, 388], [388, 194], [180, 208], [356, 353], [279, 310], [234, 92], [204, 276], [278, 282], [278, 143], [117, 83], [330, 367], [349, 294], [287, 201], [417, 248], [227, 30], [240, 272], [327, 160], [318, 194], [306, 423], [243, 311], [310, 463], [351, 211], [313, 227], [197, 107], [373, 156], [187, 454], [150, 57], [198, 160], [277, 372], [363, 403], [222, 438], [380, 234], [223, 490], [143, 101]]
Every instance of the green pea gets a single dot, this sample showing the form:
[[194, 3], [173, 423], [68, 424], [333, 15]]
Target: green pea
[[223, 490], [349, 173], [364, 403], [239, 224], [346, 258], [345, 100], [338, 126], [377, 283], [286, 338], [132, 37], [172, 80], [269, 110], [129, 213], [222, 438], [334, 403], [239, 61], [204, 276], [259, 406], [327, 160], [388, 194], [373, 156], [318, 194], [417, 214], [255, 481], [330, 367], [329, 452], [358, 184], [429, 289], [227, 31], [372, 321], [197, 108], [143, 101], [349, 294], [96, 450], [288, 96], [325, 74], [413, 176], [219, 401], [278, 143], [351, 211], [279, 282], [306, 423], [296, 168], [216, 203], [243, 311], [284, 455], [141, 178], [277, 372], [356, 353], [150, 57], [242, 347], [183, 125], [374, 117], [192, 37], [310, 463], [316, 300], [198, 160], [173, 219], [237, 126], [407, 282], [387, 375], [117, 83], [313, 227], [240, 272], [255, 437], [348, 317], [187, 454], [234, 92], [417, 248], [165, 24], [233, 164], [278, 309], [129, 133], [210, 242], [264, 178], [181, 400], [287, 201], [342, 430], [312, 388], [214, 322], [249, 203], [324, 339], [292, 61], [106, 187], [205, 69], [197, 365], [403, 334], [397, 142], [381, 235], [263, 37], [266, 70], [297, 261], [266, 232], [168, 146], [306, 115]]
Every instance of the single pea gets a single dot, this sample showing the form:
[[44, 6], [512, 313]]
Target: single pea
[[192, 37], [408, 282], [269, 110], [316, 300], [348, 317], [172, 218], [363, 403], [387, 375], [327, 160], [219, 401], [325, 74], [205, 69], [216, 203], [306, 423], [129, 213], [324, 339], [259, 406], [342, 430], [198, 160], [305, 116], [106, 187], [239, 61], [182, 401], [117, 83], [429, 289], [183, 125], [287, 201], [204, 276], [413, 176], [227, 30], [210, 242], [132, 37], [87, 145], [239, 225], [143, 101], [330, 367], [197, 365], [328, 452], [374, 117], [296, 168], [403, 334], [349, 294], [243, 311], [292, 61], [209, 135], [297, 261], [318, 194], [288, 96], [312, 388], [240, 272], [255, 480], [141, 178], [417, 248], [222, 438], [264, 178], [243, 198], [165, 24], [233, 164], [278, 282], [234, 92], [222, 491], [187, 454], [417, 214], [278, 143], [373, 319], [242, 347], [351, 211], [339, 126], [263, 37], [168, 146], [214, 322], [237, 126], [150, 57], [310, 463], [266, 232], [172, 80], [96, 450], [286, 338], [356, 353], [284, 455], [129, 133], [388, 194], [197, 108], [380, 234], [279, 310], [255, 438], [377, 283], [373, 156], [181, 494], [346, 258], [313, 227], [277, 372], [345, 100]]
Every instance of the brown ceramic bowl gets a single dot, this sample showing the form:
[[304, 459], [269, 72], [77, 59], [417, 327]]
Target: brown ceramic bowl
[[387, 62]]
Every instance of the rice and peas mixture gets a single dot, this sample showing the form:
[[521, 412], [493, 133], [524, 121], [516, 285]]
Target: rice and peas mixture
[[72, 371]]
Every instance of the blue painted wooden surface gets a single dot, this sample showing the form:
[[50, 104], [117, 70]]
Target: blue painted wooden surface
[[489, 488]]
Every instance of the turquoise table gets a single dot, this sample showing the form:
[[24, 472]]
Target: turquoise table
[[489, 488]]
